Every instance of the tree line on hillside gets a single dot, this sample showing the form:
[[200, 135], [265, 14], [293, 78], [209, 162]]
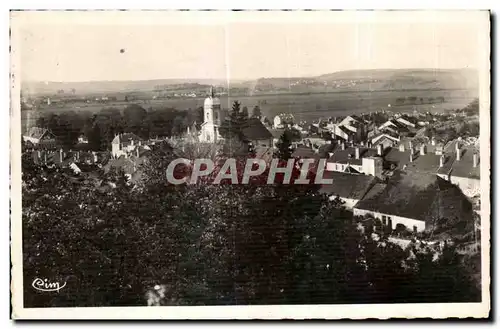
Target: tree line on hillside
[[100, 128], [206, 244], [415, 100]]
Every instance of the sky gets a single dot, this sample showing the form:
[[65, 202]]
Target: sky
[[77, 47]]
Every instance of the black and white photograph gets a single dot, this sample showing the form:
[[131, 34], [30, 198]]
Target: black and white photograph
[[250, 164]]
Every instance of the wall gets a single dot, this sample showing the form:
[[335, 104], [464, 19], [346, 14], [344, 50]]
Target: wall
[[469, 186], [340, 167], [408, 222]]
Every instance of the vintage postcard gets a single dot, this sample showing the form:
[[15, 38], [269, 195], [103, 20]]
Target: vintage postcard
[[250, 164]]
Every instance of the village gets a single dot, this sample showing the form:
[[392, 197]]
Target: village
[[395, 172]]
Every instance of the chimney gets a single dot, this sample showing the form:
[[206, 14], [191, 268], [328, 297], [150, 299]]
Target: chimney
[[339, 141], [475, 158], [38, 154], [411, 154], [343, 146], [137, 151], [433, 141], [356, 150], [45, 157], [422, 149], [78, 155], [131, 142], [458, 154], [401, 147], [60, 155], [362, 143], [94, 155], [410, 144], [379, 149], [441, 161]]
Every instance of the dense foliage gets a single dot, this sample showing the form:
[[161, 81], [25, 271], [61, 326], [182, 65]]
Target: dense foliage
[[100, 128], [207, 244]]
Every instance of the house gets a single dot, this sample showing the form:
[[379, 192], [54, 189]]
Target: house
[[395, 127], [39, 136], [130, 165], [342, 132], [418, 201], [82, 139], [463, 170], [348, 187], [256, 133], [424, 162], [408, 121], [125, 144], [282, 120], [359, 159], [386, 139]]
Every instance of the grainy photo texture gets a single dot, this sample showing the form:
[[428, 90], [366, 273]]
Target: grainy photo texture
[[287, 164]]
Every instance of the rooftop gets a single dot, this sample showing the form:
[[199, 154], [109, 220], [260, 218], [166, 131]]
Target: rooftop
[[276, 132], [345, 185], [418, 196], [463, 167], [349, 155], [254, 129], [304, 152]]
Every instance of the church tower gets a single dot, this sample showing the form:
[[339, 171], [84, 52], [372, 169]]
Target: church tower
[[211, 118]]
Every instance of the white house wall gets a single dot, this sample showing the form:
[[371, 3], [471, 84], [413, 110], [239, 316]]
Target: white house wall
[[408, 222], [470, 187]]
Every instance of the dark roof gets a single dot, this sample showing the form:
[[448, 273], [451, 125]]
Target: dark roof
[[325, 149], [351, 170], [254, 129], [409, 119], [342, 156], [345, 130], [304, 152], [464, 167], [347, 185], [277, 132], [428, 163], [417, 196]]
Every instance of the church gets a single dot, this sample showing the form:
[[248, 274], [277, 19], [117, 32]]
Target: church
[[213, 115], [253, 132]]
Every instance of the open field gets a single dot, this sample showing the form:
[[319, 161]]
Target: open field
[[308, 107]]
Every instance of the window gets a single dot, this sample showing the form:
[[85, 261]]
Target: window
[[414, 229], [384, 220], [389, 221]]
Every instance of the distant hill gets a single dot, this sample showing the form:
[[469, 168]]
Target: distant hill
[[91, 87], [352, 80], [411, 78]]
